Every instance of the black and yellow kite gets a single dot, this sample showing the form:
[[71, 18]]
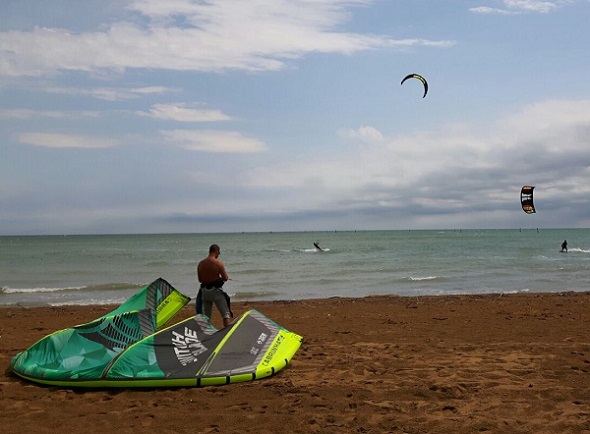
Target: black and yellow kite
[[526, 199], [419, 77]]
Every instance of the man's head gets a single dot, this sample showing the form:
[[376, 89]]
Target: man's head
[[214, 249]]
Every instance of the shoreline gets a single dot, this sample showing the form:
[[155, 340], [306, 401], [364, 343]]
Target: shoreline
[[239, 301], [446, 364]]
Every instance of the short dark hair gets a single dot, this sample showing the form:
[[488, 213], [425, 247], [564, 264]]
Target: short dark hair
[[213, 248]]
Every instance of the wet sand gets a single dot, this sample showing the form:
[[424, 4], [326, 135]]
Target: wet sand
[[450, 364]]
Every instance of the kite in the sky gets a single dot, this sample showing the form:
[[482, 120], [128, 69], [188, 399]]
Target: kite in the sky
[[526, 199], [419, 77]]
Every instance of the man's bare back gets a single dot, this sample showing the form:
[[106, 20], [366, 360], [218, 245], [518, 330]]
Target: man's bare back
[[211, 269]]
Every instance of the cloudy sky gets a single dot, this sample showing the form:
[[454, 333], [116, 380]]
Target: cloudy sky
[[148, 116]]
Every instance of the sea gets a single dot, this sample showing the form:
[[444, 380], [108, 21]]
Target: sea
[[108, 269]]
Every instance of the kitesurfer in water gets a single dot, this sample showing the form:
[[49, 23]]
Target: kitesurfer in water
[[317, 246], [564, 246], [212, 275]]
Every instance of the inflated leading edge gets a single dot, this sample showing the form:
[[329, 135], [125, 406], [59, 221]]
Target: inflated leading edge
[[125, 349]]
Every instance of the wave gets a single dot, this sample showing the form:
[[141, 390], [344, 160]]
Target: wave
[[100, 287], [5, 290], [89, 302], [578, 250], [420, 279], [303, 250]]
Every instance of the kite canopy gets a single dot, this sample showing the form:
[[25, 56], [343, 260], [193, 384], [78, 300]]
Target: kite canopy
[[126, 348], [418, 77], [526, 199]]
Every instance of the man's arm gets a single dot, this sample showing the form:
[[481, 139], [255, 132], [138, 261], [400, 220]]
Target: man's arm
[[222, 272]]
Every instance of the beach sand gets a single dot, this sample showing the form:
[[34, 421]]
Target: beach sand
[[450, 364]]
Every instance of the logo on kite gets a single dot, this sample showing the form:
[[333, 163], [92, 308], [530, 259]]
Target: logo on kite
[[418, 77], [526, 199]]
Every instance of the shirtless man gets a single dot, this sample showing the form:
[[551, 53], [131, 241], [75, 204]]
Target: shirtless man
[[211, 274]]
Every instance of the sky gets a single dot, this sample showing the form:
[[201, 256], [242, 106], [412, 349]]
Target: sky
[[195, 116]]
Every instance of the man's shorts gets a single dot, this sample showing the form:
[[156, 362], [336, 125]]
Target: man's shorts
[[209, 296]]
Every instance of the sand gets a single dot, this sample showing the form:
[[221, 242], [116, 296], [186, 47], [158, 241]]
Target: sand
[[451, 364]]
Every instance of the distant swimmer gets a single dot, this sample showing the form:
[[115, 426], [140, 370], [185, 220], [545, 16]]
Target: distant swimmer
[[317, 246], [564, 246]]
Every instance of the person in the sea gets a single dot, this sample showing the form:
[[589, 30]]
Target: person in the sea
[[564, 246], [317, 246], [212, 275]]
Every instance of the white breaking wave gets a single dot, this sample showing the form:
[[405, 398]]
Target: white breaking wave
[[89, 302], [36, 290], [577, 249], [418, 279]]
